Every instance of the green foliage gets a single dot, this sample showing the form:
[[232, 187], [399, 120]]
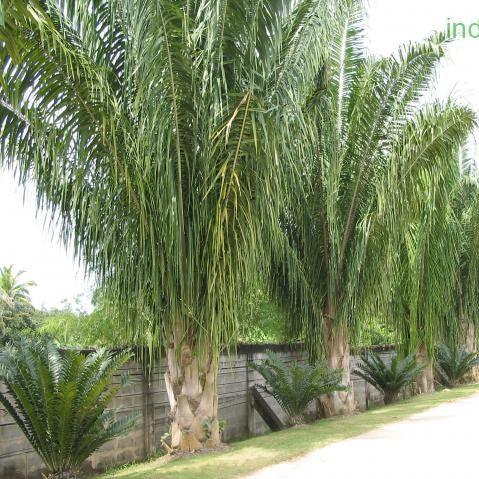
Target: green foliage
[[453, 363], [388, 379], [68, 327], [262, 320], [59, 401], [463, 223], [297, 386], [376, 154], [162, 137], [17, 315], [11, 288], [375, 332]]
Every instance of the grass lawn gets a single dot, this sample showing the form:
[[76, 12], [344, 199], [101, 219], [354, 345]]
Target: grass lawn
[[253, 454]]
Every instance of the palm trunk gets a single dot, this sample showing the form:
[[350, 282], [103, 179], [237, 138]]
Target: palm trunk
[[338, 357], [470, 343], [191, 387], [425, 380], [390, 398]]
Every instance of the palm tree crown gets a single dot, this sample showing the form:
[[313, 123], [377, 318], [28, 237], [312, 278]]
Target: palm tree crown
[[157, 133], [12, 290]]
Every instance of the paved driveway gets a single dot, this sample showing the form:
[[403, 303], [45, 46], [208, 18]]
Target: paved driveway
[[440, 443]]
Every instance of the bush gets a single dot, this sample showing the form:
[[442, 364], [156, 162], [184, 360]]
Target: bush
[[59, 401], [296, 387], [452, 364], [388, 379]]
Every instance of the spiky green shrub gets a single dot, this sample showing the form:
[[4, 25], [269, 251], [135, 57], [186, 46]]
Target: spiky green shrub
[[389, 379], [295, 387], [452, 364], [59, 401]]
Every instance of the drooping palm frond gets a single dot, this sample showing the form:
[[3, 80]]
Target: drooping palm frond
[[452, 364], [163, 138], [365, 120], [59, 400], [424, 246], [464, 225], [389, 379], [295, 387]]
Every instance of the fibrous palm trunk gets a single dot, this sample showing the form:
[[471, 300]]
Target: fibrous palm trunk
[[338, 357], [390, 398], [191, 386], [425, 380], [470, 343]]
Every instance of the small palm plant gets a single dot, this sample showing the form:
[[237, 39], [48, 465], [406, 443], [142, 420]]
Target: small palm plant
[[59, 401], [388, 379], [297, 386], [452, 364]]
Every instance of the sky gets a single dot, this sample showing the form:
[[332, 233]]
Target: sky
[[27, 244]]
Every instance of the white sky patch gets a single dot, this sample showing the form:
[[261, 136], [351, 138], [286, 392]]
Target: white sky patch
[[25, 242], [29, 245]]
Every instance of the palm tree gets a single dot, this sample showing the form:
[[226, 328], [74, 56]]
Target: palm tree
[[16, 310], [424, 266], [435, 269], [390, 378], [11, 289], [464, 223], [364, 121], [162, 137]]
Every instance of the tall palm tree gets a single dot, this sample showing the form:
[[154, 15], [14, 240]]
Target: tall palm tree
[[363, 119], [13, 291], [162, 136], [424, 267], [464, 223]]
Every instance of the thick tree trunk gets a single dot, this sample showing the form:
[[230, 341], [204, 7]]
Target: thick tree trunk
[[470, 343], [191, 387], [425, 380], [338, 357]]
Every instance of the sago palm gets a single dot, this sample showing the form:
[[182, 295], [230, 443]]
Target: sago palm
[[388, 378], [297, 386], [364, 117], [59, 401], [162, 136], [454, 363]]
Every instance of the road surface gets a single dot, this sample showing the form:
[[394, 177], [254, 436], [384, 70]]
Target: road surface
[[436, 444]]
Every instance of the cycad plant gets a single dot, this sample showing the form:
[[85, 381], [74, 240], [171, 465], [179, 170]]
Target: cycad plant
[[60, 400], [389, 379], [454, 363], [163, 138], [295, 387]]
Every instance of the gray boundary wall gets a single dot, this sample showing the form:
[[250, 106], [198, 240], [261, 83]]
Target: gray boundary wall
[[19, 461]]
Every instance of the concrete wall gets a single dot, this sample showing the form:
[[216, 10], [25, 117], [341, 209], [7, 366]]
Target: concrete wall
[[19, 461]]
